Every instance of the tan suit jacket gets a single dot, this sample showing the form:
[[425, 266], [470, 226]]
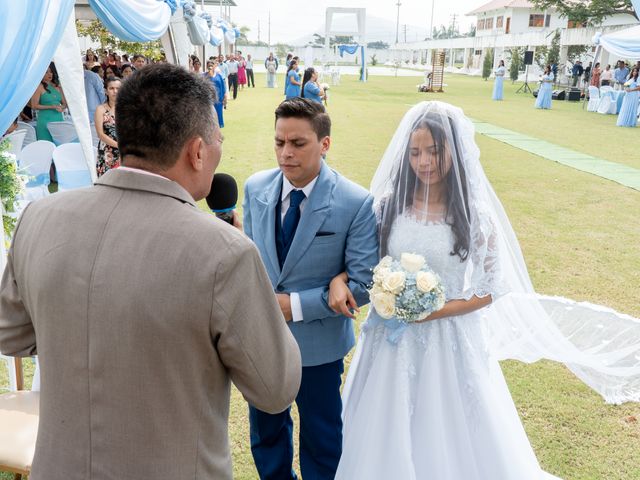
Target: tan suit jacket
[[142, 310]]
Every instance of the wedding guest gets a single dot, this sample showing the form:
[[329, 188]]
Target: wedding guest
[[94, 91], [271, 66], [215, 77], [224, 70], [90, 59], [139, 61], [587, 73], [293, 81], [49, 102], [628, 116], [595, 75], [499, 83], [606, 77], [576, 72], [242, 71], [135, 301], [105, 125], [111, 71], [97, 69], [310, 87], [196, 66], [127, 70], [250, 79], [620, 74], [232, 65], [544, 92]]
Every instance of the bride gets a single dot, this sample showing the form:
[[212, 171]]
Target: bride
[[428, 400]]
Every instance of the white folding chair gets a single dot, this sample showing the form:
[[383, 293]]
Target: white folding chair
[[16, 139], [62, 132], [71, 167], [36, 160], [19, 415], [594, 99], [30, 137]]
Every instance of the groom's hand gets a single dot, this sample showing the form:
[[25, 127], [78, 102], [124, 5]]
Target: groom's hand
[[285, 305]]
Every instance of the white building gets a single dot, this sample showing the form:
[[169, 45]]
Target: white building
[[503, 24]]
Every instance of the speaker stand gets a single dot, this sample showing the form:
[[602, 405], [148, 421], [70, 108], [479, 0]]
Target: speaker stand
[[525, 88]]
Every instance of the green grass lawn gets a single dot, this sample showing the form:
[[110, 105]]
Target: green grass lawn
[[579, 234]]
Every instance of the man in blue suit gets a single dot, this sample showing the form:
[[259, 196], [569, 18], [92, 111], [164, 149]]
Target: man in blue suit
[[310, 224]]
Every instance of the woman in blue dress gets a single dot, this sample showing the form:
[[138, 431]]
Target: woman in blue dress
[[628, 116], [498, 85], [214, 75], [310, 87], [293, 81], [544, 94]]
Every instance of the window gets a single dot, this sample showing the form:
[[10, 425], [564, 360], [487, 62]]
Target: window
[[547, 20], [536, 20], [488, 23], [477, 53], [499, 21], [574, 24], [481, 24]]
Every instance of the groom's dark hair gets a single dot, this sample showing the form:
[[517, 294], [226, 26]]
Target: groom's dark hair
[[312, 111]]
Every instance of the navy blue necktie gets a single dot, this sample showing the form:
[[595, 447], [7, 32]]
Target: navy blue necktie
[[291, 218]]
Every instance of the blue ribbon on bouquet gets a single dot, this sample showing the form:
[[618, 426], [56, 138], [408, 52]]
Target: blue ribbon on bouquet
[[394, 327]]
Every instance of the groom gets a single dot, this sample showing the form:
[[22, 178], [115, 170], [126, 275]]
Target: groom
[[309, 224]]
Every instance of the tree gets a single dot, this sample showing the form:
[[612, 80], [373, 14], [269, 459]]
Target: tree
[[516, 63], [97, 32], [591, 12], [487, 65], [374, 60], [243, 39], [553, 55], [339, 39], [379, 45]]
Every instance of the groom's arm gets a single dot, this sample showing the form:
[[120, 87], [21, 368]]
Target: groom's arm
[[360, 256]]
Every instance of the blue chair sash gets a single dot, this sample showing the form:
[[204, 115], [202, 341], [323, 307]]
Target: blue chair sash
[[70, 179]]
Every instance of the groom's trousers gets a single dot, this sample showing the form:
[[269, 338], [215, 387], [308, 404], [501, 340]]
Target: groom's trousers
[[320, 411]]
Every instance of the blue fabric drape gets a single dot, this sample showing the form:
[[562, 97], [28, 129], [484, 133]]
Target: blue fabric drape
[[133, 20], [30, 31], [351, 49]]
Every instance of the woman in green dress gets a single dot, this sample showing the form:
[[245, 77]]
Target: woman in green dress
[[49, 102]]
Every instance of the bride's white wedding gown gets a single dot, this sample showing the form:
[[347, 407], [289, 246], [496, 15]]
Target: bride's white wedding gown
[[433, 405]]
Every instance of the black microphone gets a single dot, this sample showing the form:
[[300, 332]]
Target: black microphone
[[223, 196]]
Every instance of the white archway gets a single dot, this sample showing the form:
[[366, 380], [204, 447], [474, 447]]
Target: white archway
[[359, 34]]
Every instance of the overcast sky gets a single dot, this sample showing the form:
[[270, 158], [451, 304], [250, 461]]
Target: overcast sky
[[292, 19]]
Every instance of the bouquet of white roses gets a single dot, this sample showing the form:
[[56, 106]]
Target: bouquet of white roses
[[406, 289]]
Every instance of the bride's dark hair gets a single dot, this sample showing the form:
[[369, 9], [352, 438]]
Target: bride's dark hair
[[405, 179]]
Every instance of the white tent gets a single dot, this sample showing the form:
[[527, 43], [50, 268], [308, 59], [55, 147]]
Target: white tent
[[624, 43]]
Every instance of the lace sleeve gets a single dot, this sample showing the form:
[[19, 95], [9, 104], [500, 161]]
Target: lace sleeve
[[486, 274]]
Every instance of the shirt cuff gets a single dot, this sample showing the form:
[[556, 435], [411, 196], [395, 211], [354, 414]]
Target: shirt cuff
[[296, 307]]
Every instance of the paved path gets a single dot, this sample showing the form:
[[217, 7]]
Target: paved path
[[617, 172]]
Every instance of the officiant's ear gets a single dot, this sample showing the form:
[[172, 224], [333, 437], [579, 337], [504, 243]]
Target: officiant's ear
[[194, 149]]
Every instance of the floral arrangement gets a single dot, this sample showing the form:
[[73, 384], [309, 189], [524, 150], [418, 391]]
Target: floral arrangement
[[12, 184], [406, 289]]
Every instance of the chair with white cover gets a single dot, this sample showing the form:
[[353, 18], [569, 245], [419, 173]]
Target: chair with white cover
[[30, 136], [605, 88], [62, 132], [36, 160], [71, 167], [94, 135], [16, 139], [19, 415], [607, 105], [594, 99]]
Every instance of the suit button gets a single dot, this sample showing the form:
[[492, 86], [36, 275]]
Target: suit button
[[280, 288]]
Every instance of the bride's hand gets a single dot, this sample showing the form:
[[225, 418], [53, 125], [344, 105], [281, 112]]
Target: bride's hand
[[340, 297]]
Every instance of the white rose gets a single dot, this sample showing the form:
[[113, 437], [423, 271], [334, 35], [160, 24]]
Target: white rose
[[385, 263], [411, 262], [380, 274], [426, 281], [384, 303], [394, 282]]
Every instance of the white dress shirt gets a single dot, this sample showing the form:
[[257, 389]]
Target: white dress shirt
[[296, 307]]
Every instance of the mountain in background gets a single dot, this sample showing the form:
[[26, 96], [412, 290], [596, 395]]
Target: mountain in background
[[377, 29]]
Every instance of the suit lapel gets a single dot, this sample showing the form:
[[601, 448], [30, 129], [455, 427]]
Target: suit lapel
[[313, 216], [267, 203]]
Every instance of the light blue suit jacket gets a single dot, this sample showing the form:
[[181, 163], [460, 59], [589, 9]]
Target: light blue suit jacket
[[336, 233]]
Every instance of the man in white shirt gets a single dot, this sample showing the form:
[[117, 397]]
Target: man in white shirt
[[232, 65]]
